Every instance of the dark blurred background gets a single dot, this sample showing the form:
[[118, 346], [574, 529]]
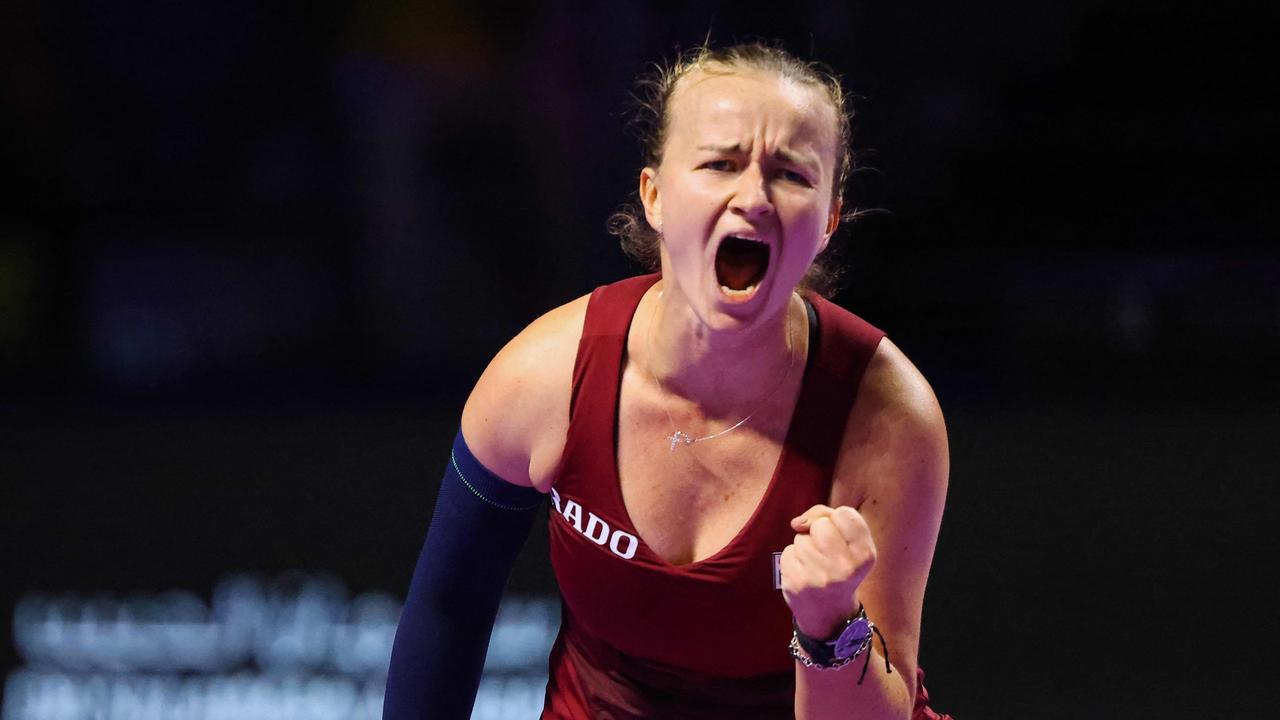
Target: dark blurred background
[[253, 256]]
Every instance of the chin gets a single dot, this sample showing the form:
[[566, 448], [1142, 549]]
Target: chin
[[736, 311]]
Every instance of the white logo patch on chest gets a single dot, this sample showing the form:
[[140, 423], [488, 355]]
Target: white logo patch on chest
[[597, 530]]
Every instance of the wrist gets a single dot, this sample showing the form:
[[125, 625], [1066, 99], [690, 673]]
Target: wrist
[[822, 628], [852, 639], [827, 624]]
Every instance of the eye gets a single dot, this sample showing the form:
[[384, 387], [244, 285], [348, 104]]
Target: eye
[[718, 165], [796, 177]]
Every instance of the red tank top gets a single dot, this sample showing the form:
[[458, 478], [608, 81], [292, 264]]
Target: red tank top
[[641, 637]]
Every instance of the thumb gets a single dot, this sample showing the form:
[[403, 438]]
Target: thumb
[[802, 522]]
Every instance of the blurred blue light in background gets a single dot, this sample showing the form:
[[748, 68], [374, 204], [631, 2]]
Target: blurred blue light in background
[[297, 646]]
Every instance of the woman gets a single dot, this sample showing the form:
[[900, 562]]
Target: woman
[[746, 480]]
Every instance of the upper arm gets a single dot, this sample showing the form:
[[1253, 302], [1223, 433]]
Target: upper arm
[[517, 415], [893, 468]]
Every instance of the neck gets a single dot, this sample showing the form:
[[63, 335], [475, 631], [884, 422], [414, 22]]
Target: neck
[[725, 373]]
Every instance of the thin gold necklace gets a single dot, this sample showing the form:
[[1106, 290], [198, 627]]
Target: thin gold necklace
[[679, 438]]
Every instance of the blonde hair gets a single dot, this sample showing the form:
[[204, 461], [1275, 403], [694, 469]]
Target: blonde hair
[[653, 99]]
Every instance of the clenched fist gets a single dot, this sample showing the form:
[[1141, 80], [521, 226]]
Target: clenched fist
[[821, 571]]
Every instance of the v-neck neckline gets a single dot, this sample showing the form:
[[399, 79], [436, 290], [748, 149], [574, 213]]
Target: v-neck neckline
[[803, 401]]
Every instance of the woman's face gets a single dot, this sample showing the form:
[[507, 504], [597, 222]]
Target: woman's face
[[743, 196]]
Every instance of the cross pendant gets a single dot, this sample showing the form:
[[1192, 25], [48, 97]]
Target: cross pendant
[[679, 437]]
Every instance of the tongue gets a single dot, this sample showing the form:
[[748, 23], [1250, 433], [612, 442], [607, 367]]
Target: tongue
[[741, 263]]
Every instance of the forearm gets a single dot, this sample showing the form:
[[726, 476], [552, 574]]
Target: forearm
[[836, 694], [480, 523], [439, 648]]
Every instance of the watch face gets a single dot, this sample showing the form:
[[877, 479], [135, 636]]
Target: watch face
[[852, 638]]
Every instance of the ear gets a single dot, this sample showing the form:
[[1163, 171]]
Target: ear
[[833, 222], [650, 198]]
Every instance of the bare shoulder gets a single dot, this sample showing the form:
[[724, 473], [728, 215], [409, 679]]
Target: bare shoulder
[[893, 469], [517, 415], [896, 439]]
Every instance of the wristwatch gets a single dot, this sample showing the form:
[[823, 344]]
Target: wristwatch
[[853, 639]]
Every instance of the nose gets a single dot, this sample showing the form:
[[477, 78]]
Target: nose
[[750, 194]]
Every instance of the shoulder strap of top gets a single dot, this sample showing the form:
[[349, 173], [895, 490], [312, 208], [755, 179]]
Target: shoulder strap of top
[[845, 346], [604, 336], [848, 343]]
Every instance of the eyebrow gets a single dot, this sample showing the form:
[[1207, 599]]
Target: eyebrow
[[786, 155]]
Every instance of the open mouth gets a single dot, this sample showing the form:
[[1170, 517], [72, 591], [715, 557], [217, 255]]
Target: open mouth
[[740, 265]]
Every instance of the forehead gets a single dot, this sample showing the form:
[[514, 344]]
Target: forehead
[[727, 104]]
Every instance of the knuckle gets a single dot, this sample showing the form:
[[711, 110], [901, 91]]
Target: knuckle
[[803, 549], [850, 521], [816, 531], [823, 527]]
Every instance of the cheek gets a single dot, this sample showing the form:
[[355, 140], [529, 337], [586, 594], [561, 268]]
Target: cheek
[[686, 226], [806, 234], [809, 226], [680, 241]]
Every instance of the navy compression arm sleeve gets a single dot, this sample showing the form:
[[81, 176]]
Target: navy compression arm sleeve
[[479, 525]]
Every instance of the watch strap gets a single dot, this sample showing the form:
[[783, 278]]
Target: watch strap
[[839, 650]]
